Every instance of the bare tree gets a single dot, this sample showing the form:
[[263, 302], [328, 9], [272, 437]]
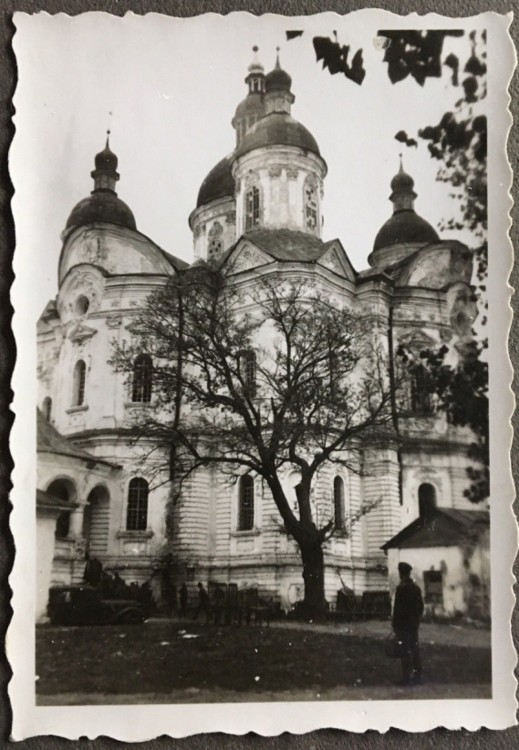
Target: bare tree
[[258, 382]]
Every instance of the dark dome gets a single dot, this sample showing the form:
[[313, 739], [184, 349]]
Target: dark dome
[[219, 183], [277, 79], [405, 227], [106, 159], [278, 129], [101, 205], [402, 181]]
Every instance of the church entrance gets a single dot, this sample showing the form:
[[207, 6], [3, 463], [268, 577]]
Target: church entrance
[[96, 521]]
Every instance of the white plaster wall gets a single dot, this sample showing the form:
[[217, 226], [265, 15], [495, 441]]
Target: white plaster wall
[[448, 560], [280, 172], [45, 528]]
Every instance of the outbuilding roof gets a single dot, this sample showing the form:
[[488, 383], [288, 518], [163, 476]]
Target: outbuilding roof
[[445, 528]]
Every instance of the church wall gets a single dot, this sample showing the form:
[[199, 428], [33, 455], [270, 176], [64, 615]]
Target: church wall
[[381, 487], [118, 251]]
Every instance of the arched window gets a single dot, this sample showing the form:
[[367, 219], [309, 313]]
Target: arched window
[[246, 503], [421, 397], [248, 370], [78, 397], [252, 208], [426, 501], [142, 379], [338, 503], [47, 408], [215, 237], [137, 512], [311, 213]]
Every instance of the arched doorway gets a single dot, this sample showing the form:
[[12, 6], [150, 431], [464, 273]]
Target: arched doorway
[[96, 521], [62, 489]]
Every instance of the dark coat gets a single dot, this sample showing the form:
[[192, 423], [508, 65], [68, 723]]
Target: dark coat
[[408, 607]]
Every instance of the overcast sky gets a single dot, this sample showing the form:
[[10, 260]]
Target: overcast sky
[[172, 87]]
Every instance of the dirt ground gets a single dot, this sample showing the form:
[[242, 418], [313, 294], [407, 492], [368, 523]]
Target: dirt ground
[[164, 661]]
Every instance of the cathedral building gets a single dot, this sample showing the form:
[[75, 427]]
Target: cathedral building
[[259, 211]]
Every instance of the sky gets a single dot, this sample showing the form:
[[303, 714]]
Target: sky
[[167, 88]]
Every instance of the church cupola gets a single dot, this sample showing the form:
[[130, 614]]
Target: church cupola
[[252, 108], [402, 195], [405, 231], [277, 167], [279, 97], [103, 204], [105, 173], [256, 75]]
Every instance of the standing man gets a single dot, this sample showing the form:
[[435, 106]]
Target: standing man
[[407, 611]]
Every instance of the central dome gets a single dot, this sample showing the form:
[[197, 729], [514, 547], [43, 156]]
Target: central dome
[[278, 129]]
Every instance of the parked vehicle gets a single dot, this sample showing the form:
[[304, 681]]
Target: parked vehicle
[[83, 605]]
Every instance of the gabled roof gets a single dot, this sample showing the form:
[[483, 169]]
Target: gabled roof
[[445, 528], [287, 244], [49, 440]]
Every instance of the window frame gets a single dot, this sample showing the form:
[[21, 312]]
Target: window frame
[[311, 206], [427, 504], [142, 379], [252, 207], [137, 504], [433, 589], [246, 503], [79, 383]]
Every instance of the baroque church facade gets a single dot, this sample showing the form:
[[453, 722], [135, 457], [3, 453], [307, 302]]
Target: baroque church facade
[[259, 211]]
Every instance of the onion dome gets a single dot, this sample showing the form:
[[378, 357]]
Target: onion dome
[[106, 159], [277, 129], [405, 226], [103, 204], [278, 79], [402, 181], [219, 183]]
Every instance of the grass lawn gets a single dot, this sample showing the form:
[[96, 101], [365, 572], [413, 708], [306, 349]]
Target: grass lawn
[[157, 658]]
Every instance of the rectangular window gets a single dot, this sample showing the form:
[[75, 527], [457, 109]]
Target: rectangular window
[[433, 586], [246, 504], [137, 512]]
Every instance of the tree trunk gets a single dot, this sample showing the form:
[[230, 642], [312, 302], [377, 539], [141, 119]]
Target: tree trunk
[[314, 603]]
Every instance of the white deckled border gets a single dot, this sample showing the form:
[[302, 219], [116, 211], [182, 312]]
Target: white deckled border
[[141, 722]]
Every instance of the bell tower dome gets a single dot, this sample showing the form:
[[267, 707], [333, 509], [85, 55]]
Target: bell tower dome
[[252, 108]]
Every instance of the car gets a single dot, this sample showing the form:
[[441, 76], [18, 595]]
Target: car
[[79, 604]]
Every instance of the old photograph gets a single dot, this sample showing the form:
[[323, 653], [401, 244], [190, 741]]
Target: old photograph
[[262, 396]]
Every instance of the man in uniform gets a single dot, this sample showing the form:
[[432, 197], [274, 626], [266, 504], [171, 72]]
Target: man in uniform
[[407, 611]]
